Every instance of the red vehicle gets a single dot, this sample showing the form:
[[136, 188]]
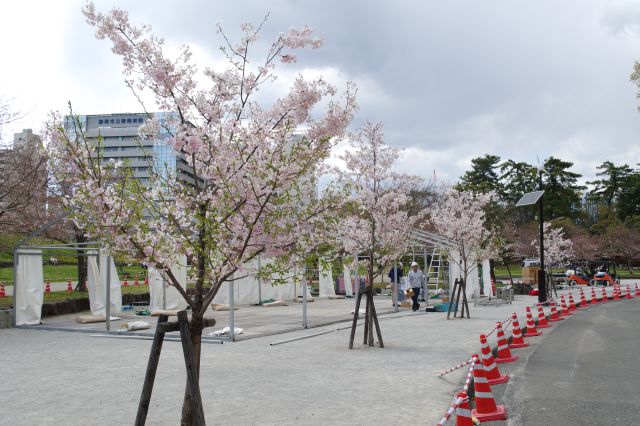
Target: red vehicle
[[603, 278], [577, 279]]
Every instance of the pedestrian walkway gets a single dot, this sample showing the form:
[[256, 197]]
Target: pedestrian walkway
[[73, 378]]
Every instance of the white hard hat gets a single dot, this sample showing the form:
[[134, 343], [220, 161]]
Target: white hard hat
[[414, 264]]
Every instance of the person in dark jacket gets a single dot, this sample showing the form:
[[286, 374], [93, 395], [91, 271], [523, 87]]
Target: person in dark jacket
[[395, 274]]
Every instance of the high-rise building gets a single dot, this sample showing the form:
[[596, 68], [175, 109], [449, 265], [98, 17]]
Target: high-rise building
[[120, 142]]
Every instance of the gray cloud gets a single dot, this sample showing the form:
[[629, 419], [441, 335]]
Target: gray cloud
[[452, 80]]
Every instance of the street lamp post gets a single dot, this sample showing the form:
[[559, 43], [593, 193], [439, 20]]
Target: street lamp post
[[528, 199], [542, 279]]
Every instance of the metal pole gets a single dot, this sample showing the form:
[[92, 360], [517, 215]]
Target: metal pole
[[232, 324], [164, 292], [107, 305], [304, 297], [542, 282], [425, 296], [259, 283], [15, 285], [394, 298], [357, 280]]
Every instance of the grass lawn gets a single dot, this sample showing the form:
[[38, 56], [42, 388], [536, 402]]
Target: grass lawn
[[55, 296], [56, 273]]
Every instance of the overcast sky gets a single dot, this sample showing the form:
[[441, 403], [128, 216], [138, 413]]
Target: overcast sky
[[451, 80]]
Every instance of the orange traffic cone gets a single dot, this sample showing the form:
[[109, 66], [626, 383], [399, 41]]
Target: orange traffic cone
[[463, 411], [136, 282], [2, 292], [125, 283], [531, 326], [47, 287], [491, 369], [637, 291], [86, 286], [572, 303], [594, 299], [628, 295], [504, 354], [486, 408], [554, 312], [563, 305], [69, 285], [583, 299], [616, 293], [542, 319], [146, 280], [517, 341], [604, 295]]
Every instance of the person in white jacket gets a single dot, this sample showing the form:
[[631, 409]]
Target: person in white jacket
[[416, 280]]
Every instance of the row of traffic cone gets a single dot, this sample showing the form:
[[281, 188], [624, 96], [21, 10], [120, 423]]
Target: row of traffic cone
[[135, 282], [487, 373]]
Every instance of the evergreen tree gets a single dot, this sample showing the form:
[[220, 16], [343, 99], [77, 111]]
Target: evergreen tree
[[483, 177], [611, 183], [561, 190]]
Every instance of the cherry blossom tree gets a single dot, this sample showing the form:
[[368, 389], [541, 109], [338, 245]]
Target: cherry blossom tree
[[459, 217], [376, 226], [250, 193], [558, 249]]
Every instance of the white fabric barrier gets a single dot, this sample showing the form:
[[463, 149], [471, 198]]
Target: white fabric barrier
[[486, 277], [246, 291], [162, 294], [326, 288], [97, 284], [28, 288], [348, 289]]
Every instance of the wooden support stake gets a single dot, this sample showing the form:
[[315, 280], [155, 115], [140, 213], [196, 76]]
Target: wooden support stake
[[192, 372], [375, 321], [355, 319], [152, 367]]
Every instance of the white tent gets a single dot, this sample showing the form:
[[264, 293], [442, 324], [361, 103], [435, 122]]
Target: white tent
[[97, 284], [28, 288], [249, 290], [326, 288], [162, 294], [455, 271]]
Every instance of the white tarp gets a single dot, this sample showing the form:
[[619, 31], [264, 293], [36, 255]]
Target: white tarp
[[28, 289], [162, 294], [486, 277], [348, 289], [455, 271], [326, 288], [97, 284], [248, 291]]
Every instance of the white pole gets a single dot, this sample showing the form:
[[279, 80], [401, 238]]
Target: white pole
[[304, 298], [107, 303], [357, 279], [394, 286], [259, 283], [231, 313]]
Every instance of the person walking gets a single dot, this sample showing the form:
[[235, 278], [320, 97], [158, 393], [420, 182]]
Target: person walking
[[416, 280], [395, 274]]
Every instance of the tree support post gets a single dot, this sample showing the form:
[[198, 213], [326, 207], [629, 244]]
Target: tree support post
[[458, 290], [162, 328], [370, 319]]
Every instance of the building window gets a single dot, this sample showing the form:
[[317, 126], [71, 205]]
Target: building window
[[128, 120], [112, 121], [100, 121]]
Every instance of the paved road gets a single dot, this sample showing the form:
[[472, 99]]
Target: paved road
[[583, 372]]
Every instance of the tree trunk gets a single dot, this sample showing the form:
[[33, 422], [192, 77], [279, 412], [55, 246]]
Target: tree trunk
[[195, 327], [509, 271], [82, 262]]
